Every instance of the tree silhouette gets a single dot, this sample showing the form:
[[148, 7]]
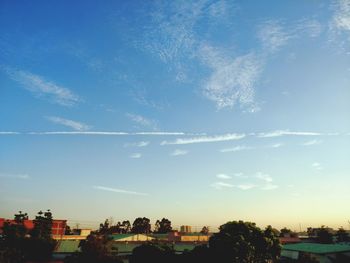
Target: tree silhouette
[[153, 252], [324, 236], [141, 225], [205, 230], [163, 226], [244, 242], [17, 246], [285, 232], [342, 235], [95, 249]]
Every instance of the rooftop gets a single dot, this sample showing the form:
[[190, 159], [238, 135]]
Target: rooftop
[[316, 248]]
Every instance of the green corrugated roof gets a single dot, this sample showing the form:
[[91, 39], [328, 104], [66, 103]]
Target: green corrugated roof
[[128, 247], [67, 246], [316, 248]]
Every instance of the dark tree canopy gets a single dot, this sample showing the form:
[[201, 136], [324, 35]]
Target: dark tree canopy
[[163, 226], [104, 228], [285, 232], [153, 252], [342, 235], [95, 249], [205, 230], [18, 246], [121, 228], [141, 225], [244, 242], [107, 228], [324, 236], [42, 225]]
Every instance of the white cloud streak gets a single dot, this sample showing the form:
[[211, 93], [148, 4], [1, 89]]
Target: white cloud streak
[[136, 155], [246, 186], [312, 142], [120, 191], [15, 176], [317, 166], [78, 126], [264, 177], [178, 152], [269, 187], [223, 176], [43, 88], [279, 133], [277, 145], [137, 144], [205, 139], [107, 133], [221, 185], [224, 185], [235, 149]]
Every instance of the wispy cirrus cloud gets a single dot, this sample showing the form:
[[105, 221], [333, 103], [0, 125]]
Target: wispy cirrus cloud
[[142, 121], [42, 88], [223, 176], [339, 25], [310, 26], [106, 133], [264, 177], [135, 155], [246, 186], [233, 78], [221, 185], [268, 181], [312, 142], [15, 176], [236, 149], [75, 125], [272, 35], [260, 181], [341, 18], [279, 133], [277, 145], [9, 133], [137, 144], [119, 191], [171, 34], [224, 185], [205, 139], [178, 152], [317, 166], [269, 187]]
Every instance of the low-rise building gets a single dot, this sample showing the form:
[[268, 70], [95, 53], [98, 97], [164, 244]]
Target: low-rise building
[[78, 234], [324, 253], [187, 237], [131, 237]]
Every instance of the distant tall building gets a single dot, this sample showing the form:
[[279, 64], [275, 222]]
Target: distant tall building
[[185, 229]]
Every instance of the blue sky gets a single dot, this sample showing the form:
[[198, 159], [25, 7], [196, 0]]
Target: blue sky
[[199, 111]]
